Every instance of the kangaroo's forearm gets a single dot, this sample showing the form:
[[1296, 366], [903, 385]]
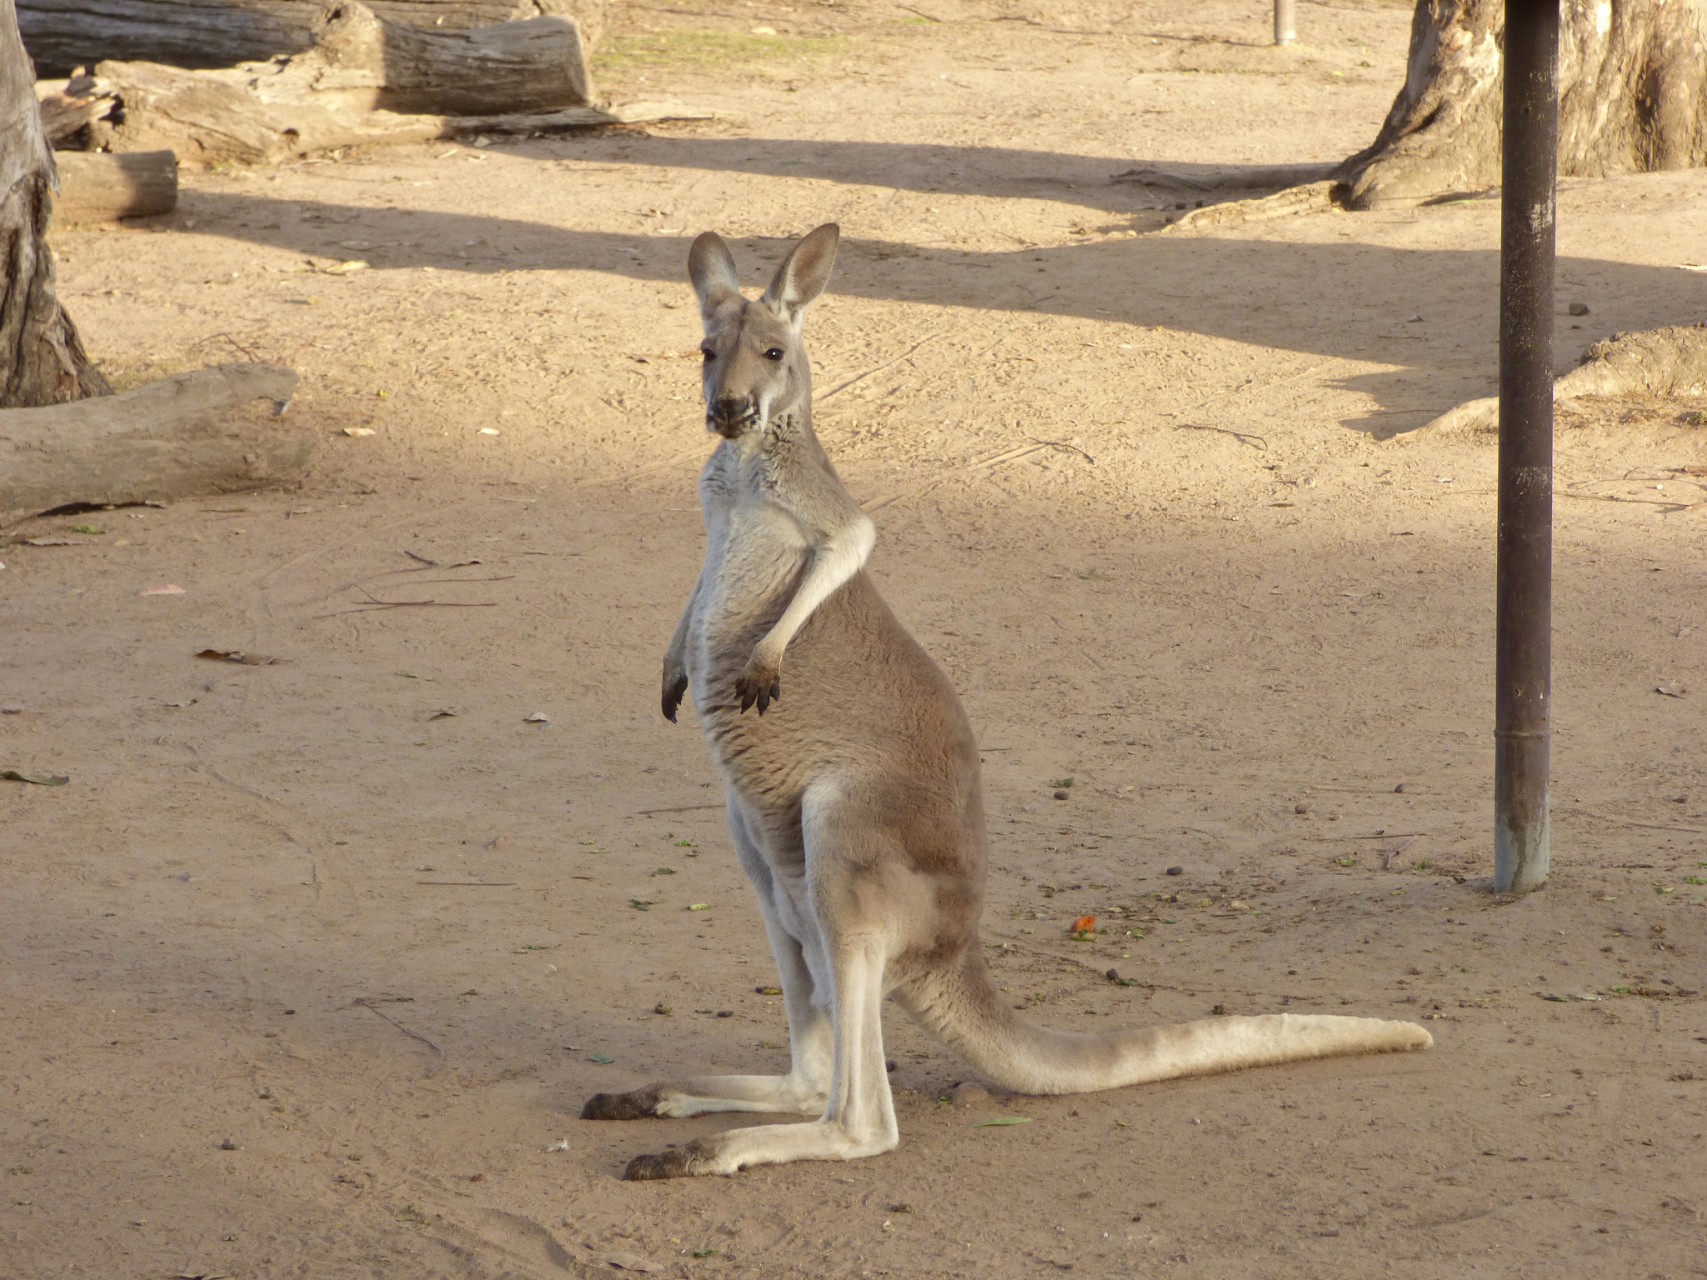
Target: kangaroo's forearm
[[833, 563]]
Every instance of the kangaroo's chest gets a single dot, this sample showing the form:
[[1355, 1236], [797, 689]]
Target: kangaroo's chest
[[755, 554]]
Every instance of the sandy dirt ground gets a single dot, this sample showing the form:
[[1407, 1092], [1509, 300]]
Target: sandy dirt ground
[[309, 968]]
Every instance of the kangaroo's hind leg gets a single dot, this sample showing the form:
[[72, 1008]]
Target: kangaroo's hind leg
[[805, 1089], [854, 907]]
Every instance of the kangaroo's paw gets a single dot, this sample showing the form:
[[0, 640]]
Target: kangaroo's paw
[[624, 1106], [678, 1162], [675, 685], [761, 682]]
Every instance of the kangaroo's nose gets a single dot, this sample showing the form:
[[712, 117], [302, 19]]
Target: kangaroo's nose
[[730, 413]]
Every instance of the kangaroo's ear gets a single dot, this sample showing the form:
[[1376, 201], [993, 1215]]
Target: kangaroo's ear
[[804, 273], [712, 271]]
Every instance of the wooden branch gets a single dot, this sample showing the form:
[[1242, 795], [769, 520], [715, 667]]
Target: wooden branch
[[193, 433], [95, 187], [1235, 177]]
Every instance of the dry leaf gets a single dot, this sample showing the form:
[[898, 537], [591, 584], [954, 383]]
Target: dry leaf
[[630, 1262], [164, 589], [40, 779], [237, 655]]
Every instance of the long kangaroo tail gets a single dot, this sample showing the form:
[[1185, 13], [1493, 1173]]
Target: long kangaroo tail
[[962, 1007]]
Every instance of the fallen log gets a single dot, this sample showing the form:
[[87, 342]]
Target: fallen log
[[207, 116], [193, 433], [364, 62], [95, 187], [365, 81], [63, 34], [1659, 362]]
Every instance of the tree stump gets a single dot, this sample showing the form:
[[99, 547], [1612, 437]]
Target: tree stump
[[42, 360], [1632, 97]]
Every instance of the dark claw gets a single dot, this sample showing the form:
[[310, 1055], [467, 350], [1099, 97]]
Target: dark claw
[[673, 697], [755, 689]]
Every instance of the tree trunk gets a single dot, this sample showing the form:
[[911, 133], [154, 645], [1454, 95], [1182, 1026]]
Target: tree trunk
[[42, 360], [63, 34], [1632, 97]]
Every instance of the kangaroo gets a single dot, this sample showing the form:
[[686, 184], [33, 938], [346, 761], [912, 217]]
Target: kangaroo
[[853, 791]]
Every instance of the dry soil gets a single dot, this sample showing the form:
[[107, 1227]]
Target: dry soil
[[309, 967]]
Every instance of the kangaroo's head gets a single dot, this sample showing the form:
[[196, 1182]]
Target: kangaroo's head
[[756, 371]]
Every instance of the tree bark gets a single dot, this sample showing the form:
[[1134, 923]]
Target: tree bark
[[42, 360], [63, 34], [181, 436], [1632, 97]]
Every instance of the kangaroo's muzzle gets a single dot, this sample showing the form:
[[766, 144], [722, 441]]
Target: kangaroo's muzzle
[[732, 416]]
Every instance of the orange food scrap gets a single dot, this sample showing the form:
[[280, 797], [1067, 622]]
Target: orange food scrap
[[1084, 924]]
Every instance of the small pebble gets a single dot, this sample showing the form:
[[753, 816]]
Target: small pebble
[[725, 1013], [965, 1095], [661, 1007], [1579, 308], [228, 1145], [1399, 790], [1303, 806], [1063, 795], [890, 1065], [1176, 871], [1113, 975]]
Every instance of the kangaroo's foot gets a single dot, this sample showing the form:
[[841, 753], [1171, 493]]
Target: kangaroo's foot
[[705, 1095], [737, 1149], [633, 1105]]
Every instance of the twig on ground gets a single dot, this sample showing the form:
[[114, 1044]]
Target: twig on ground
[[680, 808], [1065, 447], [1626, 822], [877, 368], [413, 1035], [233, 341], [1244, 437]]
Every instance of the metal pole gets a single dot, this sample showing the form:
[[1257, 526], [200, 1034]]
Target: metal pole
[[1285, 21], [1523, 661]]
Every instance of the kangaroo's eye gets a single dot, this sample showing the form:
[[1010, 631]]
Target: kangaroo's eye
[[708, 353], [775, 353]]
